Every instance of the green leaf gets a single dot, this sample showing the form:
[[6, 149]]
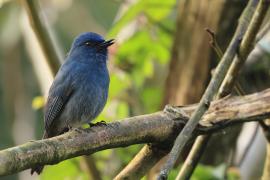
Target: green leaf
[[158, 9], [67, 170], [126, 18], [148, 68], [155, 10]]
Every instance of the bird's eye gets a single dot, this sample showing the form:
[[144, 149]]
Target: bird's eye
[[88, 43]]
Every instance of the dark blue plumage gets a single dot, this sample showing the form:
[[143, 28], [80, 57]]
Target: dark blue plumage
[[80, 89]]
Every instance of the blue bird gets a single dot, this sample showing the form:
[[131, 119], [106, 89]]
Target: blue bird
[[80, 89]]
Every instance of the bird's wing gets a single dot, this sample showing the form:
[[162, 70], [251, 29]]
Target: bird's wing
[[55, 104]]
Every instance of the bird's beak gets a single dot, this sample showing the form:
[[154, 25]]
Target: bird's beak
[[106, 44]]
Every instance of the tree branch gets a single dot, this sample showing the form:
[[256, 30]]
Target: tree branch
[[160, 127], [142, 162], [193, 157], [246, 46], [228, 83], [210, 91], [42, 33]]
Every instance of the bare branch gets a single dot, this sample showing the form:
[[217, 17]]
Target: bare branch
[[142, 162], [159, 127], [246, 46], [211, 90]]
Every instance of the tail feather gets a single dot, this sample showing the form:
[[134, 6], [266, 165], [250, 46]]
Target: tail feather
[[38, 169]]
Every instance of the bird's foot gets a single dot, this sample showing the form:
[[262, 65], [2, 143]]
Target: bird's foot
[[69, 128], [100, 123], [78, 130]]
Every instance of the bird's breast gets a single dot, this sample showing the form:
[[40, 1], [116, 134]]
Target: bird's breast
[[89, 98]]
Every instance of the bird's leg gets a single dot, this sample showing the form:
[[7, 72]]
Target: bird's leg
[[100, 123], [69, 127], [77, 129]]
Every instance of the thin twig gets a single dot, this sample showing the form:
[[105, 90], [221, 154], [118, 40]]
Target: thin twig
[[193, 157], [246, 46], [210, 92], [214, 44], [265, 29]]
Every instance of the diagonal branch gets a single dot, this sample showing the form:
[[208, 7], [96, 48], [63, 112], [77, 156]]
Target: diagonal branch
[[246, 46], [228, 84], [152, 128], [210, 91], [142, 162], [41, 30]]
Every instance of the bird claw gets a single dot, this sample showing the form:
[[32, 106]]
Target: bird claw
[[78, 130], [69, 127], [100, 123]]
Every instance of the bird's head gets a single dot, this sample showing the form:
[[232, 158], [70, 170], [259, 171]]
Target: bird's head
[[91, 46]]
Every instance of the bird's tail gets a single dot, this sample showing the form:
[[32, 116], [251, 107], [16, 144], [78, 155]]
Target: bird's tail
[[38, 169]]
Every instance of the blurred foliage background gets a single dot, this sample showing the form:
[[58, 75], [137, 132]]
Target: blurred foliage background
[[139, 65]]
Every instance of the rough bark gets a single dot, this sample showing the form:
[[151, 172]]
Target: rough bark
[[158, 127]]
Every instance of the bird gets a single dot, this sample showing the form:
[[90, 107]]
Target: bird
[[79, 91]]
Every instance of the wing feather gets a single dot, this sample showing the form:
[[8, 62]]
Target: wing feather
[[55, 105], [59, 94], [54, 108]]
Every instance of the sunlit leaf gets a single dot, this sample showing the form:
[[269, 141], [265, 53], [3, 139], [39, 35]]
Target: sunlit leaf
[[148, 68], [158, 9], [38, 102]]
